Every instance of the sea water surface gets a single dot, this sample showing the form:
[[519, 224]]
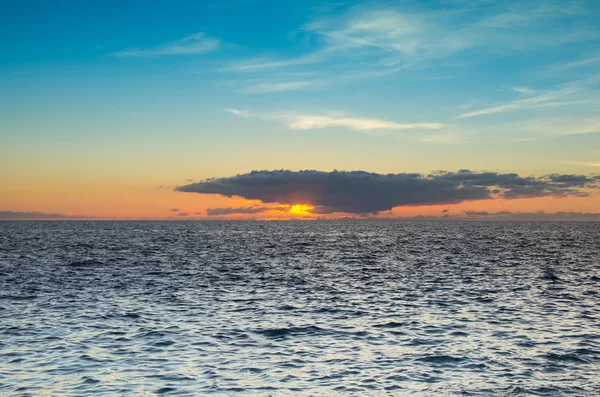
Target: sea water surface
[[332, 308]]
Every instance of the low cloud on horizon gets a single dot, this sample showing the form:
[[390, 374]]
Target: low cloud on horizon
[[236, 210], [16, 215], [533, 216], [468, 215]]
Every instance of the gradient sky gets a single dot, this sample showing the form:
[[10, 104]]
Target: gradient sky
[[106, 106]]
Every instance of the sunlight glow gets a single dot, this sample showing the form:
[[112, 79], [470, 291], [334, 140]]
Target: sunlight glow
[[300, 209]]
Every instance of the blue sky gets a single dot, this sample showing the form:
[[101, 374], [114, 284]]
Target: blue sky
[[217, 88]]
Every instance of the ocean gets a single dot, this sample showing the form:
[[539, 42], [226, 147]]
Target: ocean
[[324, 308]]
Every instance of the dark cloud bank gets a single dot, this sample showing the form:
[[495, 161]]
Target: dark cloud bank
[[360, 192]]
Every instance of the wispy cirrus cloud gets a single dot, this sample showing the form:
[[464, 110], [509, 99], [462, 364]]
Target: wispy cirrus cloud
[[238, 112], [196, 43], [411, 32], [585, 163], [300, 81], [280, 86], [491, 110], [554, 126], [524, 90], [262, 64], [580, 92], [314, 122], [374, 39], [305, 122], [533, 129], [580, 63]]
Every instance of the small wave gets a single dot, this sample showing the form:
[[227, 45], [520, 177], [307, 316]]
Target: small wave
[[287, 307], [85, 263], [113, 332], [526, 343], [290, 331], [391, 324], [165, 390], [565, 358], [546, 391], [84, 245], [328, 310], [551, 276], [586, 351], [172, 377], [441, 359], [90, 381], [164, 343], [252, 370], [18, 297], [420, 341]]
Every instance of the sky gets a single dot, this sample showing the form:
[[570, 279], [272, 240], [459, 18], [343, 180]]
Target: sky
[[249, 109]]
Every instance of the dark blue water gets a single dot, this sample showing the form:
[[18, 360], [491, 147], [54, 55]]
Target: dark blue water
[[365, 308]]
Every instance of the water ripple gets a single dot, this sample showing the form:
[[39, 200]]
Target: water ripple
[[300, 309]]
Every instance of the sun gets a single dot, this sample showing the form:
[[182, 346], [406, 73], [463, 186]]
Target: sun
[[300, 209]]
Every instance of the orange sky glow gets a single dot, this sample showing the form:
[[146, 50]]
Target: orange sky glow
[[96, 202]]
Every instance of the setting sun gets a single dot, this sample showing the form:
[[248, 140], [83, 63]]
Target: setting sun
[[300, 209]]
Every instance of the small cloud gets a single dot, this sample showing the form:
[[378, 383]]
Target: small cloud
[[174, 210], [445, 210], [283, 86], [477, 213], [550, 98], [238, 112], [314, 122], [308, 122], [193, 44], [592, 61], [183, 214], [467, 106], [587, 164], [495, 109], [524, 90], [258, 65]]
